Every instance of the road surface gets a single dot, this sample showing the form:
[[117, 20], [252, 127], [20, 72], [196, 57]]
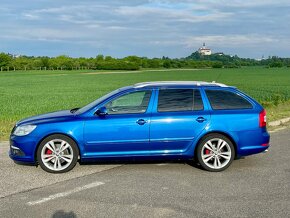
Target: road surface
[[256, 186]]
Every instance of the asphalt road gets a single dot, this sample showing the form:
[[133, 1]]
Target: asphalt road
[[257, 186]]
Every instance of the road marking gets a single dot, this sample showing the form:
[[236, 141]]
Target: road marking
[[162, 164], [64, 194]]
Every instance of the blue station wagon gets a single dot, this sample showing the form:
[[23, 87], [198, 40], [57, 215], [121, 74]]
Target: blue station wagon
[[210, 123]]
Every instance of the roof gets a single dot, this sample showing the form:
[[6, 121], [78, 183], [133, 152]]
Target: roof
[[179, 83], [204, 49]]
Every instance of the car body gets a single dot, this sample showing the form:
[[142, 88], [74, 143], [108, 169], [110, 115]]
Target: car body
[[152, 120]]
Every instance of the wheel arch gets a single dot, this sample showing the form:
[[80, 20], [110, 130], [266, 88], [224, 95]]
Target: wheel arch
[[221, 133], [55, 133]]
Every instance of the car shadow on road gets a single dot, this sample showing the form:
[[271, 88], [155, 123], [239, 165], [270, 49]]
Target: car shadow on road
[[191, 163], [63, 214]]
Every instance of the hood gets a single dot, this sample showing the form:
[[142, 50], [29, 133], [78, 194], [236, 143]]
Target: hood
[[49, 117]]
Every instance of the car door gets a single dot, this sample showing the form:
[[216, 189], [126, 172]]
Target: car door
[[124, 130], [177, 119]]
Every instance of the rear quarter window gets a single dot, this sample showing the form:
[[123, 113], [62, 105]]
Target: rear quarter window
[[226, 100]]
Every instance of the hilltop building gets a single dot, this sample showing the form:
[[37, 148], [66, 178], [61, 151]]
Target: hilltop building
[[204, 51]]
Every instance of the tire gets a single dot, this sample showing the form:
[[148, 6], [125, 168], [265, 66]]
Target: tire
[[57, 154], [215, 152]]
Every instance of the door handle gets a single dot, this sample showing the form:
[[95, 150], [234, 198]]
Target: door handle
[[200, 119], [141, 121]]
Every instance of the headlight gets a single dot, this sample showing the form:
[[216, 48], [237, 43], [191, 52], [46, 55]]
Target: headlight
[[24, 130]]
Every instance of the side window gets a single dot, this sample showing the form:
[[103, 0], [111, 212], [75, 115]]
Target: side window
[[132, 103], [226, 100], [173, 100]]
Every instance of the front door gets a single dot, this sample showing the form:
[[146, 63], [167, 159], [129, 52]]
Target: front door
[[124, 131]]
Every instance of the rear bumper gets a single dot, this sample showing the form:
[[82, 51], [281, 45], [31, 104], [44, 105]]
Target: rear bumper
[[253, 142], [249, 150]]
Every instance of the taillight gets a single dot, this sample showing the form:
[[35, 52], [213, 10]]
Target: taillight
[[262, 118]]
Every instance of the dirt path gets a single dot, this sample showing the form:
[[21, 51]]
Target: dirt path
[[139, 71]]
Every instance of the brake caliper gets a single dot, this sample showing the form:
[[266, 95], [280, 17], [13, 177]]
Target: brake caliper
[[48, 152]]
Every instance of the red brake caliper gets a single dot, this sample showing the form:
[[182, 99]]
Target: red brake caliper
[[207, 151], [48, 152]]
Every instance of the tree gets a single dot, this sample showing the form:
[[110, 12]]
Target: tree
[[22, 63], [5, 60], [100, 57], [276, 63], [134, 59], [44, 62], [167, 64], [108, 58], [154, 63], [64, 62], [217, 64]]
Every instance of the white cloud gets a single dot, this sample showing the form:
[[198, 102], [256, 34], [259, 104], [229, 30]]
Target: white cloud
[[146, 27], [30, 16], [230, 40]]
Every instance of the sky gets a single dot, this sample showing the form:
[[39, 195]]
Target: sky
[[152, 28]]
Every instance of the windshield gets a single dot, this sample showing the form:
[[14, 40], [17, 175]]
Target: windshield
[[94, 103]]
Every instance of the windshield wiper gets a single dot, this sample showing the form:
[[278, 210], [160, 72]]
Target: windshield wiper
[[74, 110]]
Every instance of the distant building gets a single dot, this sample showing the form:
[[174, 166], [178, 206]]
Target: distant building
[[220, 53], [15, 55], [204, 51]]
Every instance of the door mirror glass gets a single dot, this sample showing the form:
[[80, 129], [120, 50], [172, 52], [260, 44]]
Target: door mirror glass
[[102, 112]]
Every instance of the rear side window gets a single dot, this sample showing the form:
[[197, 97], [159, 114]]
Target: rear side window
[[174, 100], [225, 100]]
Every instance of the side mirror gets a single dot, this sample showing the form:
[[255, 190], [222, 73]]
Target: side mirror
[[102, 112]]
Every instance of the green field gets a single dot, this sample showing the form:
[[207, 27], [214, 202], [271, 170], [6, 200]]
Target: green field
[[28, 93]]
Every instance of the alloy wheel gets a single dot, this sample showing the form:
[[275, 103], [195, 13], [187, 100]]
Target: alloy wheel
[[216, 153], [57, 154]]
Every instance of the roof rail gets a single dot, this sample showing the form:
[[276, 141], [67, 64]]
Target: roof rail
[[196, 83]]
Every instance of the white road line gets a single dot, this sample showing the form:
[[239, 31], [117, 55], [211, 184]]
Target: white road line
[[162, 164], [64, 194]]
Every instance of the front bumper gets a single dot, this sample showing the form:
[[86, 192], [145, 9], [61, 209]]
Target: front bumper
[[22, 149], [15, 151]]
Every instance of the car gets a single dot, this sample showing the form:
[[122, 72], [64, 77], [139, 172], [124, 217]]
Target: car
[[207, 122]]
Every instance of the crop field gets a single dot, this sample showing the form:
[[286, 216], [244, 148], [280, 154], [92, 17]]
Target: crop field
[[29, 93]]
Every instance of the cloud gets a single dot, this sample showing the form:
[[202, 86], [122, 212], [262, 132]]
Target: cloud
[[230, 40], [30, 16], [151, 28]]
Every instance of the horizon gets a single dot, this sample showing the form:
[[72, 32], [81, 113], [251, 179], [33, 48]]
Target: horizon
[[96, 55], [144, 28]]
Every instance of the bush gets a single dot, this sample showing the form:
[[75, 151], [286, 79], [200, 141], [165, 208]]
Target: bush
[[217, 65], [278, 64], [117, 65]]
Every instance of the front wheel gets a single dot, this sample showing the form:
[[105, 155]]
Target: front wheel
[[215, 153], [57, 154]]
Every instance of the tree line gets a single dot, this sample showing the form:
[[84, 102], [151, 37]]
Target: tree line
[[9, 62]]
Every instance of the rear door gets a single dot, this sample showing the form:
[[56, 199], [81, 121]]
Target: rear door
[[177, 119]]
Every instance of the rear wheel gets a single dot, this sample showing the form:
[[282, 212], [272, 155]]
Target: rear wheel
[[215, 152], [57, 154]]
